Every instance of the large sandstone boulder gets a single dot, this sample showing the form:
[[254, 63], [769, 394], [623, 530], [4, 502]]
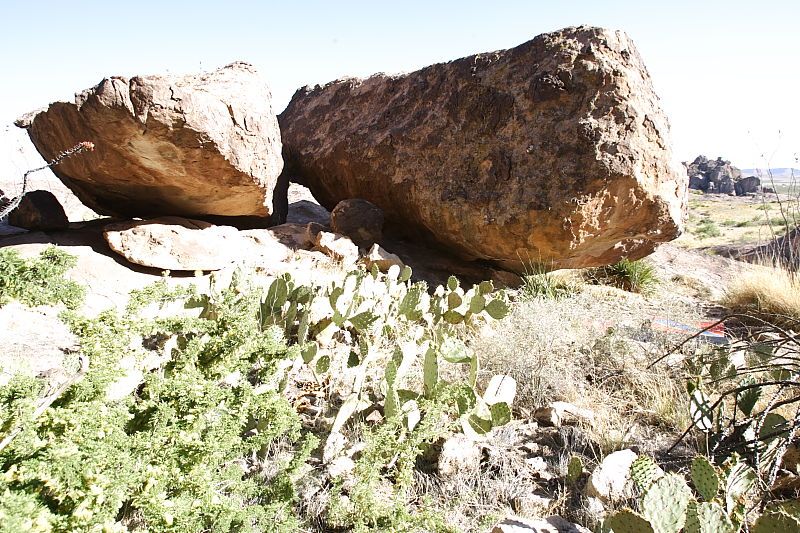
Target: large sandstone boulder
[[556, 151], [205, 144]]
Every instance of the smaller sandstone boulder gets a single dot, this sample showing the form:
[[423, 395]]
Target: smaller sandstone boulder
[[337, 246], [39, 210], [382, 259], [611, 480], [360, 220], [175, 243]]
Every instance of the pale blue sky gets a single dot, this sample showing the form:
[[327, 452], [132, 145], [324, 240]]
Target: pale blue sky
[[728, 72]]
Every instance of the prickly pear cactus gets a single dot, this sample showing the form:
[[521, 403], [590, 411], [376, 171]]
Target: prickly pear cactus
[[705, 478], [774, 521], [626, 521], [644, 472], [707, 517], [665, 502], [574, 470]]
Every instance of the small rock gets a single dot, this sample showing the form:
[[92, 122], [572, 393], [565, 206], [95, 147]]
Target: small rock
[[459, 454], [547, 416], [312, 230], [383, 259], [533, 504], [292, 235], [611, 480], [341, 466], [552, 524], [558, 413], [39, 210], [337, 246], [358, 219], [375, 417], [540, 468]]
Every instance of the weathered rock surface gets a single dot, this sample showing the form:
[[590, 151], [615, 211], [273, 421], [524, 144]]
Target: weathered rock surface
[[556, 151], [359, 219], [205, 144], [39, 210], [719, 176]]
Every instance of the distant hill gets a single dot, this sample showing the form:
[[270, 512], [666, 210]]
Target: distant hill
[[778, 174]]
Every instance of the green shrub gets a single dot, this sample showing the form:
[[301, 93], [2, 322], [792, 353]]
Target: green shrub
[[707, 228], [39, 281], [633, 276], [178, 453]]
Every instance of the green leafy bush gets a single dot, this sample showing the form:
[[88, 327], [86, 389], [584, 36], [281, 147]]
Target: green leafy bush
[[39, 281], [178, 452]]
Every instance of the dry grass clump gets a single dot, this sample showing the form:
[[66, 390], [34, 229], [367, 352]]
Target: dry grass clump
[[593, 352], [767, 293]]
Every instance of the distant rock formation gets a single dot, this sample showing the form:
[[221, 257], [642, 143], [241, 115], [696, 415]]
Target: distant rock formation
[[556, 151], [720, 177]]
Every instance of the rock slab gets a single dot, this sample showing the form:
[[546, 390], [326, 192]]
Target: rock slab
[[556, 152], [174, 243], [196, 145]]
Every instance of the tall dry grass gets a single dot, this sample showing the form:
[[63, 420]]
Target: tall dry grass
[[770, 294]]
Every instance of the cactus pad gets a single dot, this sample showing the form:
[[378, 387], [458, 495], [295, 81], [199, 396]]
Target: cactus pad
[[705, 478], [665, 502], [626, 521], [644, 471], [707, 517]]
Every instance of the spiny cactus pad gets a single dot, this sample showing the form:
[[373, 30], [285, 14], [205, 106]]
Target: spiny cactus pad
[[705, 478], [626, 521], [644, 471], [707, 517], [665, 502], [776, 522]]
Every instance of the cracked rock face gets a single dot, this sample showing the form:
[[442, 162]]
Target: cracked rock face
[[554, 152], [205, 144]]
